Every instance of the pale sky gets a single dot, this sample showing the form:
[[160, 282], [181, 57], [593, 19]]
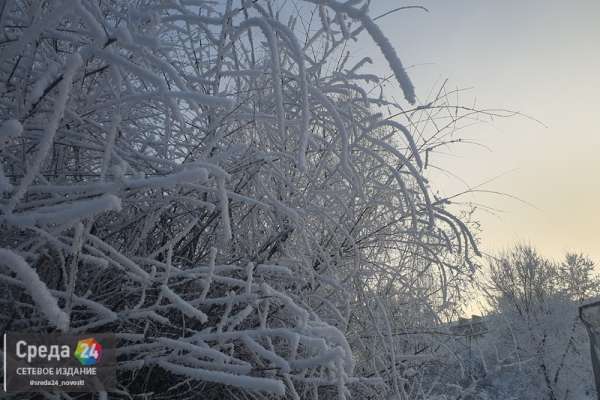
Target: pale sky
[[538, 57]]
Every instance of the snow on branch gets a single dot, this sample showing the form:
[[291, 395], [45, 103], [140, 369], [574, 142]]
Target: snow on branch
[[228, 190], [37, 289]]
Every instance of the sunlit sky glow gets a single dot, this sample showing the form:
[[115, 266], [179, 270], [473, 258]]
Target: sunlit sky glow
[[538, 57]]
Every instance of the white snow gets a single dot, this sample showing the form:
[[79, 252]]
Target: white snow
[[251, 383], [183, 305], [36, 288], [223, 186], [72, 65], [64, 213]]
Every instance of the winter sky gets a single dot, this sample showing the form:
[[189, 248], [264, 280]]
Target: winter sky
[[539, 57]]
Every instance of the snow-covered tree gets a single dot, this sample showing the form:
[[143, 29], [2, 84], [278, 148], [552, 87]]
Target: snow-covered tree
[[536, 346], [577, 278], [229, 191]]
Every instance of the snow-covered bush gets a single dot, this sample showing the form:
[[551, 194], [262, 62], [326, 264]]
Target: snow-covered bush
[[215, 183]]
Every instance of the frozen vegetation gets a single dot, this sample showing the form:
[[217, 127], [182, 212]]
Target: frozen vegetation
[[228, 189]]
